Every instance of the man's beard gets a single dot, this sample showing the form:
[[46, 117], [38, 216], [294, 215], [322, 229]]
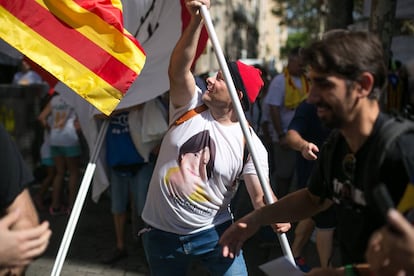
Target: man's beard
[[333, 120]]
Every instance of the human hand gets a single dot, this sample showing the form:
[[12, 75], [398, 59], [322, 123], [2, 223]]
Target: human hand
[[375, 255], [19, 247], [391, 252], [309, 151], [193, 6], [281, 227], [233, 238]]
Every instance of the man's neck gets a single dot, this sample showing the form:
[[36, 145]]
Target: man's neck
[[360, 128], [225, 116]]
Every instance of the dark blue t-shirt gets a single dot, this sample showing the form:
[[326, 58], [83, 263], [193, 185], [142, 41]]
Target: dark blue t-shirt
[[120, 149], [14, 174], [307, 123]]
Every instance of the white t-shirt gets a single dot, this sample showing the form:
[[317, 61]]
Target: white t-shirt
[[185, 195], [27, 78], [63, 132], [276, 96]]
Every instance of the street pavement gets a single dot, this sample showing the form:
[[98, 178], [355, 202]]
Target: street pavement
[[94, 240]]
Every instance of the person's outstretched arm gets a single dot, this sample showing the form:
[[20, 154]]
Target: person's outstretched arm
[[182, 83], [293, 207], [306, 148], [257, 198]]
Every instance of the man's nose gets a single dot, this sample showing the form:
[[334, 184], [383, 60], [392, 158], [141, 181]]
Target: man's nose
[[210, 80]]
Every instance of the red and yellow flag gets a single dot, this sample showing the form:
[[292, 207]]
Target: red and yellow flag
[[83, 43]]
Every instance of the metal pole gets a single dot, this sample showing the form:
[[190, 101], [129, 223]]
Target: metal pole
[[243, 122], [80, 199]]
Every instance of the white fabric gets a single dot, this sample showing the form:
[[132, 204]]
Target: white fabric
[[63, 132], [45, 147], [195, 203], [276, 96], [148, 125], [163, 18]]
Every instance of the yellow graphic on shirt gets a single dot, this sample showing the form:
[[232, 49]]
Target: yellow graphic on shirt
[[407, 200], [59, 119]]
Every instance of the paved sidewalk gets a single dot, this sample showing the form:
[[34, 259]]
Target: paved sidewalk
[[93, 241]]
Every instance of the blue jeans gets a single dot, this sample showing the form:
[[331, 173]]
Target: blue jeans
[[124, 183], [171, 254]]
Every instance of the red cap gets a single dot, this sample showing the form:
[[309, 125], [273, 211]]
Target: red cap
[[246, 78]]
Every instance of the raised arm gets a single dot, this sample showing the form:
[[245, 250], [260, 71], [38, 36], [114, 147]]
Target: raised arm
[[182, 83]]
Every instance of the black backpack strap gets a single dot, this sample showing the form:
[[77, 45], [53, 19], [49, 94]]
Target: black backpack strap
[[388, 133], [245, 153]]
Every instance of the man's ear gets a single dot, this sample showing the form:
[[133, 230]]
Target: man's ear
[[366, 82], [240, 94]]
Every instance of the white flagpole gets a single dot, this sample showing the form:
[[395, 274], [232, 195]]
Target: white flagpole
[[243, 122], [80, 199]]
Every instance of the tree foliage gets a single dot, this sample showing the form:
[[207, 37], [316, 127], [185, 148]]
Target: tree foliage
[[296, 39], [308, 19], [298, 14]]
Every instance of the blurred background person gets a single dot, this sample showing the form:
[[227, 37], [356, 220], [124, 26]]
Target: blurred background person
[[65, 149], [26, 76], [286, 91], [305, 135]]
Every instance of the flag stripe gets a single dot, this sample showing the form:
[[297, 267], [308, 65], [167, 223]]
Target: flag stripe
[[103, 34], [107, 14], [70, 41], [94, 89]]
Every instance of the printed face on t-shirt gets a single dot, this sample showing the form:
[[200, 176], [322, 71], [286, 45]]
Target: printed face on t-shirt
[[195, 166]]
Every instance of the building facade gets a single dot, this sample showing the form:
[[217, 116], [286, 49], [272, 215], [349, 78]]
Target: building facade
[[246, 29]]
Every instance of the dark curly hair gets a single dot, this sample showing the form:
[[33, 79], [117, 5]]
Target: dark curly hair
[[348, 54]]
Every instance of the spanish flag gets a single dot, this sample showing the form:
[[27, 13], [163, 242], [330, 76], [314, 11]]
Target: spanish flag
[[83, 43]]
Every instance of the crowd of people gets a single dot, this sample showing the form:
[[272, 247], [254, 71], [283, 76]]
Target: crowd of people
[[320, 120]]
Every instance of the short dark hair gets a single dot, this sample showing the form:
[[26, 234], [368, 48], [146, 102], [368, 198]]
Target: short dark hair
[[348, 54], [196, 143]]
